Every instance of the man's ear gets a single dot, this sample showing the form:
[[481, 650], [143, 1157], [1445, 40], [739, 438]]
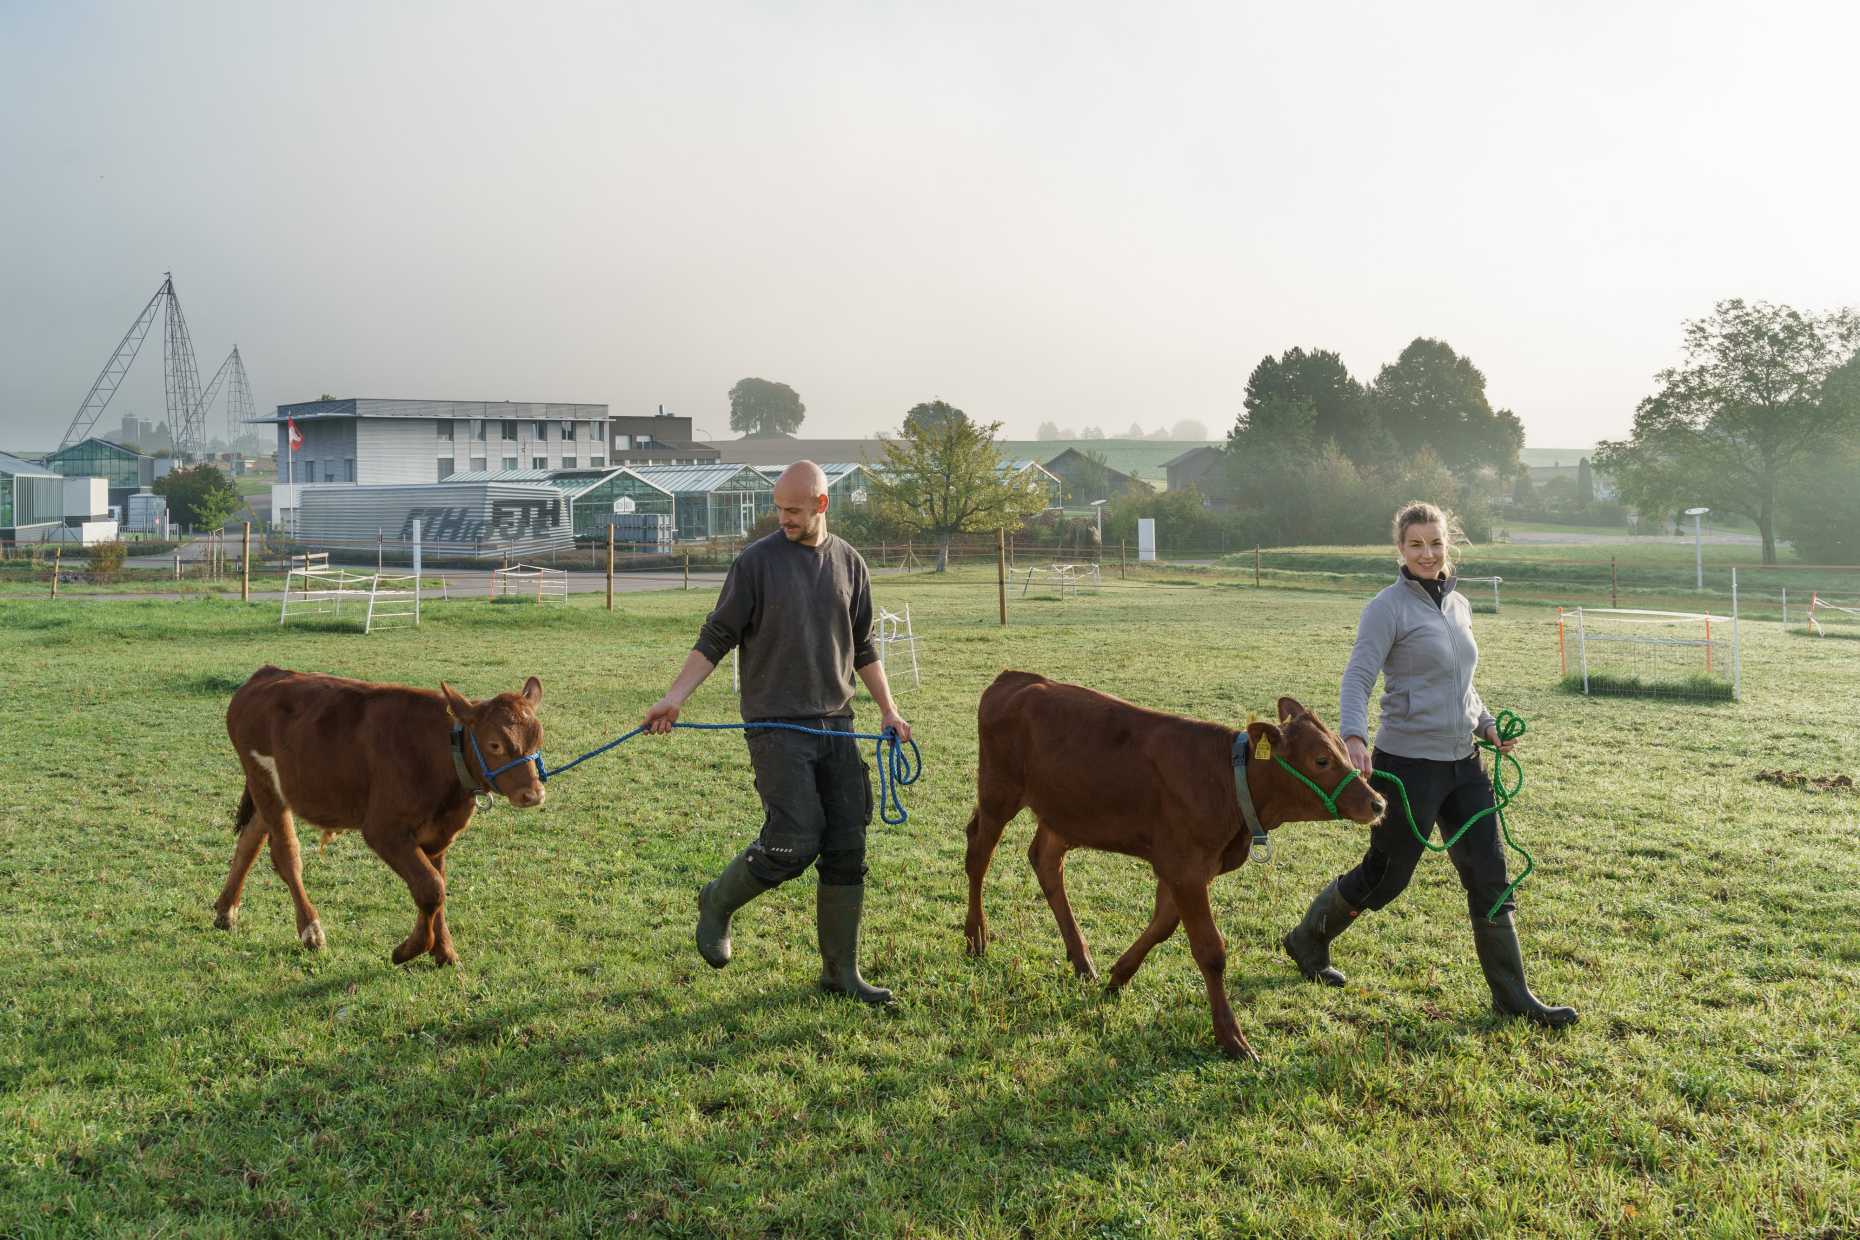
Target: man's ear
[[1262, 738], [1291, 708], [532, 691], [456, 704]]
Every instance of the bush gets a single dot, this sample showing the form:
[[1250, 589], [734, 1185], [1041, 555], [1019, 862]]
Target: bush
[[1819, 511], [106, 559]]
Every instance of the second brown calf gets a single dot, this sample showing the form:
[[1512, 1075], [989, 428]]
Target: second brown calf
[[1098, 772]]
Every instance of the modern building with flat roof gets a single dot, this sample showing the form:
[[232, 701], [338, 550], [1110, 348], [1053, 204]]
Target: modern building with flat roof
[[32, 500]]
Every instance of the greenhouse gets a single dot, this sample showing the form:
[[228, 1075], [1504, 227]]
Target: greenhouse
[[713, 501]]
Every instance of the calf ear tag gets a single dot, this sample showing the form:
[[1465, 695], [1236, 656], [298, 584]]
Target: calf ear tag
[[1262, 748]]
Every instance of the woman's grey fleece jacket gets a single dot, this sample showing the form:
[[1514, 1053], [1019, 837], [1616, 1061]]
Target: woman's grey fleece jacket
[[1426, 656]]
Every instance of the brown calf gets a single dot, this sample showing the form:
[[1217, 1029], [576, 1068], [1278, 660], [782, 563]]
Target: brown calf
[[352, 756], [1098, 772]]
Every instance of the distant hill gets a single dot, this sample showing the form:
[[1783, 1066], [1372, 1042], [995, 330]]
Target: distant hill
[[1140, 458]]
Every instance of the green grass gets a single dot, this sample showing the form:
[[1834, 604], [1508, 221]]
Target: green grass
[[1697, 688], [582, 1072]]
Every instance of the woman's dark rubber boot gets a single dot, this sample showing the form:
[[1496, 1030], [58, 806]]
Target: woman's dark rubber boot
[[837, 920], [1308, 944], [1503, 962]]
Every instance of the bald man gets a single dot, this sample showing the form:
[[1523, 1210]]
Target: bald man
[[799, 604]]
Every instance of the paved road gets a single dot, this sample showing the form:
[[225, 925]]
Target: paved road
[[476, 584]]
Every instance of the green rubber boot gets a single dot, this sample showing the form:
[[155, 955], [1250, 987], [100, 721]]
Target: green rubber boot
[[1308, 944], [1503, 962], [719, 899], [837, 919]]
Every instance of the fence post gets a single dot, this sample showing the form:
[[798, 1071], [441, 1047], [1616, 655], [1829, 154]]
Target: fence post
[[1001, 572], [245, 565], [58, 559], [1562, 659], [1123, 559], [610, 566], [1613, 583], [1256, 568], [177, 566], [687, 570]]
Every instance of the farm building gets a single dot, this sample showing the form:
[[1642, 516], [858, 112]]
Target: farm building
[[32, 500], [478, 520], [1054, 486], [124, 470], [712, 501], [1085, 479], [592, 493]]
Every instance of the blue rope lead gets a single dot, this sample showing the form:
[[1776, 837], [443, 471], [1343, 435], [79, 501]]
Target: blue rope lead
[[895, 770]]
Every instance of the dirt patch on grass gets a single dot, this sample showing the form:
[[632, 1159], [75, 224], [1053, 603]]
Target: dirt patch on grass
[[1807, 782]]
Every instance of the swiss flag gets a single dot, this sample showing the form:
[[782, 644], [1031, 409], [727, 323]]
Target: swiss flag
[[296, 436]]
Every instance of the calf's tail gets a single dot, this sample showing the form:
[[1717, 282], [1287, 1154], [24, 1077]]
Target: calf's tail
[[246, 810]]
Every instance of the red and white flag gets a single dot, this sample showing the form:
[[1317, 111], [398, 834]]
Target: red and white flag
[[296, 436]]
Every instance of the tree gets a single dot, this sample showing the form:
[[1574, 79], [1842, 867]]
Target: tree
[[1048, 431], [931, 415], [1320, 379], [1190, 429], [1585, 483], [1819, 510], [1091, 432], [762, 409], [201, 497], [942, 477], [1763, 390], [1431, 397], [1135, 431], [1521, 488]]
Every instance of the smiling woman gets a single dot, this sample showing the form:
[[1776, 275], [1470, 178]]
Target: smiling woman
[[1416, 636]]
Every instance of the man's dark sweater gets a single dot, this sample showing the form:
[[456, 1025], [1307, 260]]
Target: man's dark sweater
[[803, 617]]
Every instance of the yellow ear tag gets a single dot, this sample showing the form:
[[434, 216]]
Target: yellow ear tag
[[1262, 749]]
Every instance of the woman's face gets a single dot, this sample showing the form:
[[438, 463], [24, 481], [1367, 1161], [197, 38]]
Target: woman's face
[[1424, 549]]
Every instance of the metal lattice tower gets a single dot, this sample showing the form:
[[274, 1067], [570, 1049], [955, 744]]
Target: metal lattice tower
[[181, 377], [239, 407], [113, 371], [187, 418]]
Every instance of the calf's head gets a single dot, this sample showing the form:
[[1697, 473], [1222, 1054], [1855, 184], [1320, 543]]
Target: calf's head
[[1309, 749], [502, 734]]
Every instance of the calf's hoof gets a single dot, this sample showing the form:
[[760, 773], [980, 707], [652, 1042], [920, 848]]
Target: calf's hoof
[[977, 936], [408, 950], [312, 936], [442, 953], [1237, 1047], [226, 918]]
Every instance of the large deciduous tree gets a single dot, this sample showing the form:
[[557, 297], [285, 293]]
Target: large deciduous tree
[[760, 408], [1431, 397], [1763, 390], [201, 497], [942, 476], [1320, 380]]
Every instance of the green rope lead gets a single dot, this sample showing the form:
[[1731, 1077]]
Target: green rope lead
[[1510, 727]]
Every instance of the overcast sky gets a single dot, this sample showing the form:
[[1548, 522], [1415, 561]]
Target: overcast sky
[[1093, 213]]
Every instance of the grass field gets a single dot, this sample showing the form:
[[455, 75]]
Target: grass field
[[582, 1072]]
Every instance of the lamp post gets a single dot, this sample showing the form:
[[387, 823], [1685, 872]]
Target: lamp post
[[1698, 543], [1097, 507]]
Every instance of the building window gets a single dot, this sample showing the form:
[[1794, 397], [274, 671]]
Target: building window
[[348, 471], [568, 462], [329, 471], [597, 462], [542, 432], [306, 471], [539, 462], [509, 431], [445, 468], [568, 430], [510, 462], [622, 443], [600, 430], [445, 429], [477, 429], [477, 463]]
